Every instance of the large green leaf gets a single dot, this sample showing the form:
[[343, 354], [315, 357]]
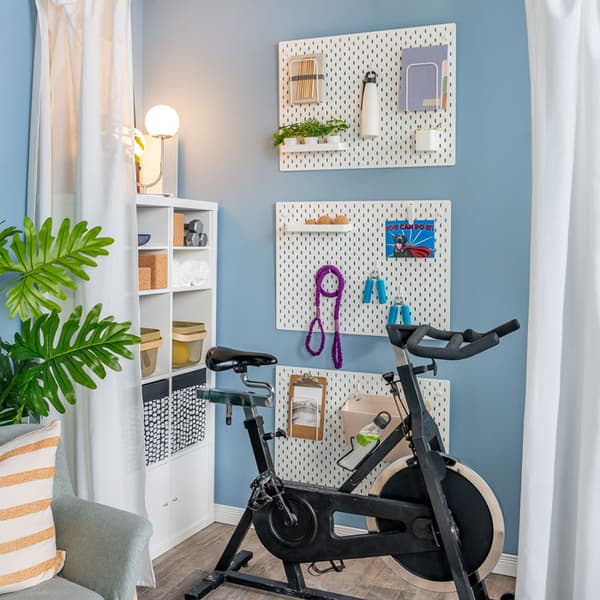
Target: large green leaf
[[13, 406], [45, 265], [78, 351], [7, 233]]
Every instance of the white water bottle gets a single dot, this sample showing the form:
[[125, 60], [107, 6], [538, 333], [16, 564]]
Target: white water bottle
[[369, 107]]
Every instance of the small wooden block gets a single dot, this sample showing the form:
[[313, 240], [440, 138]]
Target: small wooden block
[[157, 263], [178, 229], [144, 278]]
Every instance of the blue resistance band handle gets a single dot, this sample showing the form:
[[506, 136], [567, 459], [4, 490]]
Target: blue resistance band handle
[[405, 313], [393, 318], [381, 291], [368, 293]]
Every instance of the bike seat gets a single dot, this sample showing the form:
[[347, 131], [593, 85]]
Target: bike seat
[[220, 358]]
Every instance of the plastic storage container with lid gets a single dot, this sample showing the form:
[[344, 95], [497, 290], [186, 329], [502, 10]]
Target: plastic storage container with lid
[[151, 342], [188, 340]]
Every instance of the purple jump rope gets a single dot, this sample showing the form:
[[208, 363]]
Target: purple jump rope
[[336, 349]]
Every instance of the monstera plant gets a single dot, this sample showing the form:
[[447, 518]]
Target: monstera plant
[[53, 352]]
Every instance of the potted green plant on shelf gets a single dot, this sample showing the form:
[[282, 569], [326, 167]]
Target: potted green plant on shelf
[[311, 130], [287, 135], [51, 353], [333, 129]]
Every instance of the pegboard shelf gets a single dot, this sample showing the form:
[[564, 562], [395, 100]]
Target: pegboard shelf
[[303, 228], [326, 147]]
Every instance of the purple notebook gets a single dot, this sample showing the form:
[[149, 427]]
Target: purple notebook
[[424, 78]]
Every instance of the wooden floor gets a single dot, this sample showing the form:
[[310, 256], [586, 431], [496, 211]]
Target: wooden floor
[[179, 568]]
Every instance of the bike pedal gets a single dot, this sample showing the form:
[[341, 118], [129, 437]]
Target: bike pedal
[[336, 568], [435, 534]]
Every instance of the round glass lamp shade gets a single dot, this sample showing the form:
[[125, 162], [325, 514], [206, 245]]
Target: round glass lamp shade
[[162, 121]]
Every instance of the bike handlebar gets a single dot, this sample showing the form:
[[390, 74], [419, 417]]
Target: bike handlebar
[[460, 344]]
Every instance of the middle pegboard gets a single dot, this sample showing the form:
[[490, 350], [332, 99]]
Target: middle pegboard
[[423, 283], [314, 462]]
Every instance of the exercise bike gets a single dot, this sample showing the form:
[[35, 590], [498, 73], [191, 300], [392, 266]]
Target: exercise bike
[[436, 520]]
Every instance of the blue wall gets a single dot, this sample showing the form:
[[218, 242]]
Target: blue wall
[[216, 62], [16, 50]]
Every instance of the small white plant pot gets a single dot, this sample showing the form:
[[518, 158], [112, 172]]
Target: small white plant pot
[[291, 141], [333, 139], [427, 140], [311, 141]]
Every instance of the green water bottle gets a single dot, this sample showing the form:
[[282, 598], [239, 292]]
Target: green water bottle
[[365, 442], [371, 434]]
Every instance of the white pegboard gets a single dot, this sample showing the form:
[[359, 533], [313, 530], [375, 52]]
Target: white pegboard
[[347, 59], [423, 283], [310, 461]]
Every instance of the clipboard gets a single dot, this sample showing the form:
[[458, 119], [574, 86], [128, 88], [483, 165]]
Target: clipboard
[[306, 407]]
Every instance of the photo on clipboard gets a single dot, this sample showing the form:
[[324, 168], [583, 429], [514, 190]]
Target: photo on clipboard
[[306, 410]]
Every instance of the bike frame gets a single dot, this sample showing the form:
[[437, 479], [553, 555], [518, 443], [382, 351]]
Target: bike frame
[[430, 455]]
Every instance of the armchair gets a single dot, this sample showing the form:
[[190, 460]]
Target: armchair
[[104, 545]]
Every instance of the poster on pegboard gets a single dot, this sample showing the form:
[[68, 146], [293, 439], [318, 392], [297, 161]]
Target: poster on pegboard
[[345, 61], [360, 254], [404, 239]]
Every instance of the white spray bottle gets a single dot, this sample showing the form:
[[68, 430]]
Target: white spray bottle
[[369, 107]]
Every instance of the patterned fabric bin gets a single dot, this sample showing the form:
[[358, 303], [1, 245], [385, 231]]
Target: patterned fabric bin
[[156, 420], [188, 413]]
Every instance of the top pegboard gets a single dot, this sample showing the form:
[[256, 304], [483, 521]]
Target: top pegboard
[[347, 58]]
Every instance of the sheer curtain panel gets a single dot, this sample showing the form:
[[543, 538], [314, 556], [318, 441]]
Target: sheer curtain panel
[[81, 166], [559, 552]]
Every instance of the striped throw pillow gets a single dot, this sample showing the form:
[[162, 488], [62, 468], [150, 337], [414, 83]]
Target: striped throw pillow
[[28, 552]]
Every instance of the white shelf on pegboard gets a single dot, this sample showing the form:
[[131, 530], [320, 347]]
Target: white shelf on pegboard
[[304, 228], [325, 147]]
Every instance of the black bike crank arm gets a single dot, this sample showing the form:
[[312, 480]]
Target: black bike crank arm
[[364, 545], [329, 500]]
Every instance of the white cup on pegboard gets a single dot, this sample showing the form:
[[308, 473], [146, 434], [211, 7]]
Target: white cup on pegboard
[[427, 140]]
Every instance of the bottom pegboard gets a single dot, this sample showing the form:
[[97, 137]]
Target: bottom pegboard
[[314, 462]]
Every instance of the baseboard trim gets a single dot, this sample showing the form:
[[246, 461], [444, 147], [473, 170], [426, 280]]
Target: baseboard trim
[[507, 565], [181, 536], [231, 515]]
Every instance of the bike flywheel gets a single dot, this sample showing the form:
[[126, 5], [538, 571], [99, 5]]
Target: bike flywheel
[[475, 510]]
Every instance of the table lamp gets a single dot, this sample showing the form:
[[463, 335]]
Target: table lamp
[[162, 122]]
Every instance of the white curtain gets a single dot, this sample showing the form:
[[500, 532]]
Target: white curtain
[[81, 166], [559, 548]]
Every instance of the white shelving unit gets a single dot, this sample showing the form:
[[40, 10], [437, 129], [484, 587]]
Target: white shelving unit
[[179, 486]]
